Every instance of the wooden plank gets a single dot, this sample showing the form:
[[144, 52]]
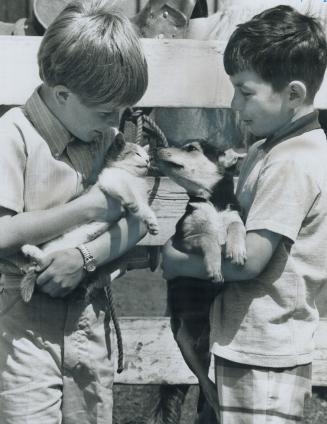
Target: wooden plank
[[168, 200], [152, 355], [186, 69], [182, 73]]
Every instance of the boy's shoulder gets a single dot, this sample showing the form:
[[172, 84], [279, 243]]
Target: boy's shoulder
[[311, 145], [13, 115], [13, 122]]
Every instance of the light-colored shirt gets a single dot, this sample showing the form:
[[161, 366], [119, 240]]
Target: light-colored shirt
[[41, 164], [271, 320]]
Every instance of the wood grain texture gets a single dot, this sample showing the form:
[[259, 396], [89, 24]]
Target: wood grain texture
[[152, 355], [168, 200], [182, 73]]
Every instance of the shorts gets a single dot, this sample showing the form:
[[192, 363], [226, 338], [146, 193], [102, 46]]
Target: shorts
[[258, 395]]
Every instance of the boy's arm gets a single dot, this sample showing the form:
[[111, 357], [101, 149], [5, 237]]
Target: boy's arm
[[63, 270], [37, 227], [260, 245]]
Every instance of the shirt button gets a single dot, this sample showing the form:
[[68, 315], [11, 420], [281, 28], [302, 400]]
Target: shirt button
[[57, 155]]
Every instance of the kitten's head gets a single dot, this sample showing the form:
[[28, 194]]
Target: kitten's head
[[129, 156]]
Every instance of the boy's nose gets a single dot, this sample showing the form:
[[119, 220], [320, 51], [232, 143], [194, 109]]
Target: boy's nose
[[236, 103]]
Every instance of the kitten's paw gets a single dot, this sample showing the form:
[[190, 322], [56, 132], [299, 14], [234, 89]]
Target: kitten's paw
[[152, 226], [32, 252]]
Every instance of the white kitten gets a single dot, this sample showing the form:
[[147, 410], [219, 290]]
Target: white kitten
[[121, 178]]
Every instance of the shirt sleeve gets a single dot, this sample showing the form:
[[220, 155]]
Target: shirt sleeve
[[284, 197], [12, 168]]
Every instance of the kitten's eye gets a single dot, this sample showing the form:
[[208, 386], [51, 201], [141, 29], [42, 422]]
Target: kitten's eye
[[191, 148]]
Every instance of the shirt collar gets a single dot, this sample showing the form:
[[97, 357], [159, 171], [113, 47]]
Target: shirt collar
[[46, 123], [302, 125]]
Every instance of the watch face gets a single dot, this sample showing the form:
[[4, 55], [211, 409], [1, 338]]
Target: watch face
[[90, 267]]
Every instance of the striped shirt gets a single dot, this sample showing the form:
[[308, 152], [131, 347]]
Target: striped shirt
[[41, 164]]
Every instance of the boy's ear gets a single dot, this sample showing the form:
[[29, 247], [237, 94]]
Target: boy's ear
[[61, 94], [297, 93]]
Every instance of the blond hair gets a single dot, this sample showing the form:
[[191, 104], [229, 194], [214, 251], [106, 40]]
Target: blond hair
[[92, 49]]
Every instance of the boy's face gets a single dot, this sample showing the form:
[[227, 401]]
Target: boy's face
[[88, 123], [261, 108]]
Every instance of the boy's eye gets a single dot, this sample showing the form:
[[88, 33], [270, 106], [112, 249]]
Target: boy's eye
[[107, 114], [111, 117]]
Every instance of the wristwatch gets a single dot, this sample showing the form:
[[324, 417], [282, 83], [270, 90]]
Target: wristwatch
[[89, 261]]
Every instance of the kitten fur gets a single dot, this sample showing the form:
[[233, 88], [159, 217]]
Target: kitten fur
[[122, 178]]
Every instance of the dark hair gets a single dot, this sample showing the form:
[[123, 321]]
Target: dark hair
[[92, 49], [280, 45]]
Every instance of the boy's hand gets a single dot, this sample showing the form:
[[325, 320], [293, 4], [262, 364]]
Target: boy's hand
[[61, 272]]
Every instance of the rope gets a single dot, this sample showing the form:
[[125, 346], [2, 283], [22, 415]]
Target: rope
[[139, 129], [112, 312], [139, 120], [157, 130]]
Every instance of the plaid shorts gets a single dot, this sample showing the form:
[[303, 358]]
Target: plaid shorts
[[258, 395]]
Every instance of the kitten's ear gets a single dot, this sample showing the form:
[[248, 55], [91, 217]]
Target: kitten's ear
[[146, 148], [117, 146], [120, 141]]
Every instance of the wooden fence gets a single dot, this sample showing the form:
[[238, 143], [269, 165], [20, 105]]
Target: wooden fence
[[199, 67]]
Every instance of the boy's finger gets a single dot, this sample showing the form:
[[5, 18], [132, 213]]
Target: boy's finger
[[43, 278], [43, 263]]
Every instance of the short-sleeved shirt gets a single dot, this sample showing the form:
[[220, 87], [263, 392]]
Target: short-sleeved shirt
[[270, 321], [41, 164]]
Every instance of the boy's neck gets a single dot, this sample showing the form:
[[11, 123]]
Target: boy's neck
[[46, 95], [303, 111]]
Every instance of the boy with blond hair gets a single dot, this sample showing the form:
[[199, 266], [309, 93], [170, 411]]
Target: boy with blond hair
[[264, 319], [55, 359]]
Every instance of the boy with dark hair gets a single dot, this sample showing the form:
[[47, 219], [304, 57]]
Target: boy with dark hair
[[55, 360], [264, 319]]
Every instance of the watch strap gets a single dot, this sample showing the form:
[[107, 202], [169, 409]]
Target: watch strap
[[89, 261]]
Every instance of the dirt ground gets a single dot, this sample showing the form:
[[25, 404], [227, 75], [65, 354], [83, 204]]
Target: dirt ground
[[142, 293]]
